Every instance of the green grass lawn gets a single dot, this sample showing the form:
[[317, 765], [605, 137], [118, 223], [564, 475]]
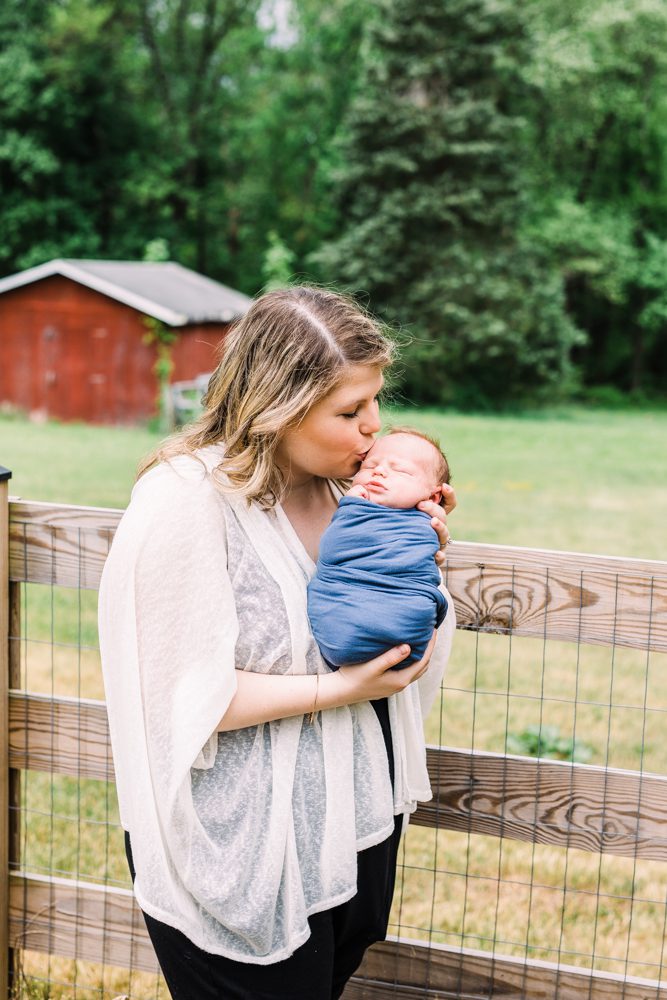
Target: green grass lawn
[[576, 480], [583, 481], [72, 463], [593, 481]]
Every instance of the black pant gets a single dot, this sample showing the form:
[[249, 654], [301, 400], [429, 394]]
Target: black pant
[[321, 967]]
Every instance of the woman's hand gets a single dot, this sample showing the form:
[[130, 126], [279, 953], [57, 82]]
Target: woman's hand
[[439, 518], [376, 679], [448, 498]]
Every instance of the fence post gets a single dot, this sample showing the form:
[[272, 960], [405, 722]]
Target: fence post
[[5, 476], [14, 848]]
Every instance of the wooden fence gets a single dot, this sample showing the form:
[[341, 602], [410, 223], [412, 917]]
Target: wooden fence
[[549, 595]]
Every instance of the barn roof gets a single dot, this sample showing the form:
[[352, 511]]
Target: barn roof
[[168, 292]]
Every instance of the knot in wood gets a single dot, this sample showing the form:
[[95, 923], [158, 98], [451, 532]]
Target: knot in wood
[[494, 621]]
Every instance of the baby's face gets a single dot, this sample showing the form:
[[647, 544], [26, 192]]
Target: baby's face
[[399, 471]]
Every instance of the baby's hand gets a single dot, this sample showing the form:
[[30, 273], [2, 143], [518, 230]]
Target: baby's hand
[[358, 491]]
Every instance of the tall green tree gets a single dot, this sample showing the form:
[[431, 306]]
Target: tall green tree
[[71, 135], [115, 124], [431, 198], [597, 142], [282, 149], [192, 122], [199, 59]]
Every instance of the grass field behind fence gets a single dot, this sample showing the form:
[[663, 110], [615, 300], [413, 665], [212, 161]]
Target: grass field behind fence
[[576, 481], [587, 481]]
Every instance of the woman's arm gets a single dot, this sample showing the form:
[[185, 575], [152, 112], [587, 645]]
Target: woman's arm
[[266, 697]]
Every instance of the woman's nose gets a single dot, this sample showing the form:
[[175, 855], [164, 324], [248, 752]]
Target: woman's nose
[[372, 423]]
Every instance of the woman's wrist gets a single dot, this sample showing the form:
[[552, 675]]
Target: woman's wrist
[[315, 708], [335, 691]]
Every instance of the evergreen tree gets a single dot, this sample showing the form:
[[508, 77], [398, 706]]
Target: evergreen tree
[[432, 203]]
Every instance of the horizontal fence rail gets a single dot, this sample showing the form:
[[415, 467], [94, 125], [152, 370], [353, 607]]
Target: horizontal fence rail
[[595, 600], [437, 972], [102, 924], [496, 588], [522, 798]]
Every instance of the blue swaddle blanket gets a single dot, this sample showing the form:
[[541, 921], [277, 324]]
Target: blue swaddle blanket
[[376, 583]]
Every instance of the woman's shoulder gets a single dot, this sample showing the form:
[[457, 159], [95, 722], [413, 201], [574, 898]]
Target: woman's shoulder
[[180, 480], [175, 502], [181, 471]]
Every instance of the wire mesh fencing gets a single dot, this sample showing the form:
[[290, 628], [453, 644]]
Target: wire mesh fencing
[[536, 870], [73, 927]]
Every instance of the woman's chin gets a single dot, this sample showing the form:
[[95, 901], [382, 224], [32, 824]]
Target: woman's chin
[[348, 471]]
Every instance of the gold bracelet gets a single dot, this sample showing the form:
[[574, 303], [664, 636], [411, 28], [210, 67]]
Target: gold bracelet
[[311, 717]]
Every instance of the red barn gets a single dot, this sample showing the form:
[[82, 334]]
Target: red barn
[[71, 335]]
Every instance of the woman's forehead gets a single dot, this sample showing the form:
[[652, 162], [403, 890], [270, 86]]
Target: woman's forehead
[[359, 384]]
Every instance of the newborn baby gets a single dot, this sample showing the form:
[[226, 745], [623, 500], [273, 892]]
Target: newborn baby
[[376, 582]]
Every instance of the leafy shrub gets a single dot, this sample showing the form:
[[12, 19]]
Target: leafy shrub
[[546, 741]]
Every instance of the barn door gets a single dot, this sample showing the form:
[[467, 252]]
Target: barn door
[[73, 366], [50, 398], [99, 371]]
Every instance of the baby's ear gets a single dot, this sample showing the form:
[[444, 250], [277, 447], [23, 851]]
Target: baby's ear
[[436, 496]]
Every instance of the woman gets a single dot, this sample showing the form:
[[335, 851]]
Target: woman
[[262, 794]]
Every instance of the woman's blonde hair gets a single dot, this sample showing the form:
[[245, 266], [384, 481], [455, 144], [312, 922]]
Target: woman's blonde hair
[[290, 350]]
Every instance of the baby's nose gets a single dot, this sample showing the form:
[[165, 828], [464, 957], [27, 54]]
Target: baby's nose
[[380, 470]]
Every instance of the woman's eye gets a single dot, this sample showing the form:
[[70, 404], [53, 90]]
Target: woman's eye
[[350, 416]]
